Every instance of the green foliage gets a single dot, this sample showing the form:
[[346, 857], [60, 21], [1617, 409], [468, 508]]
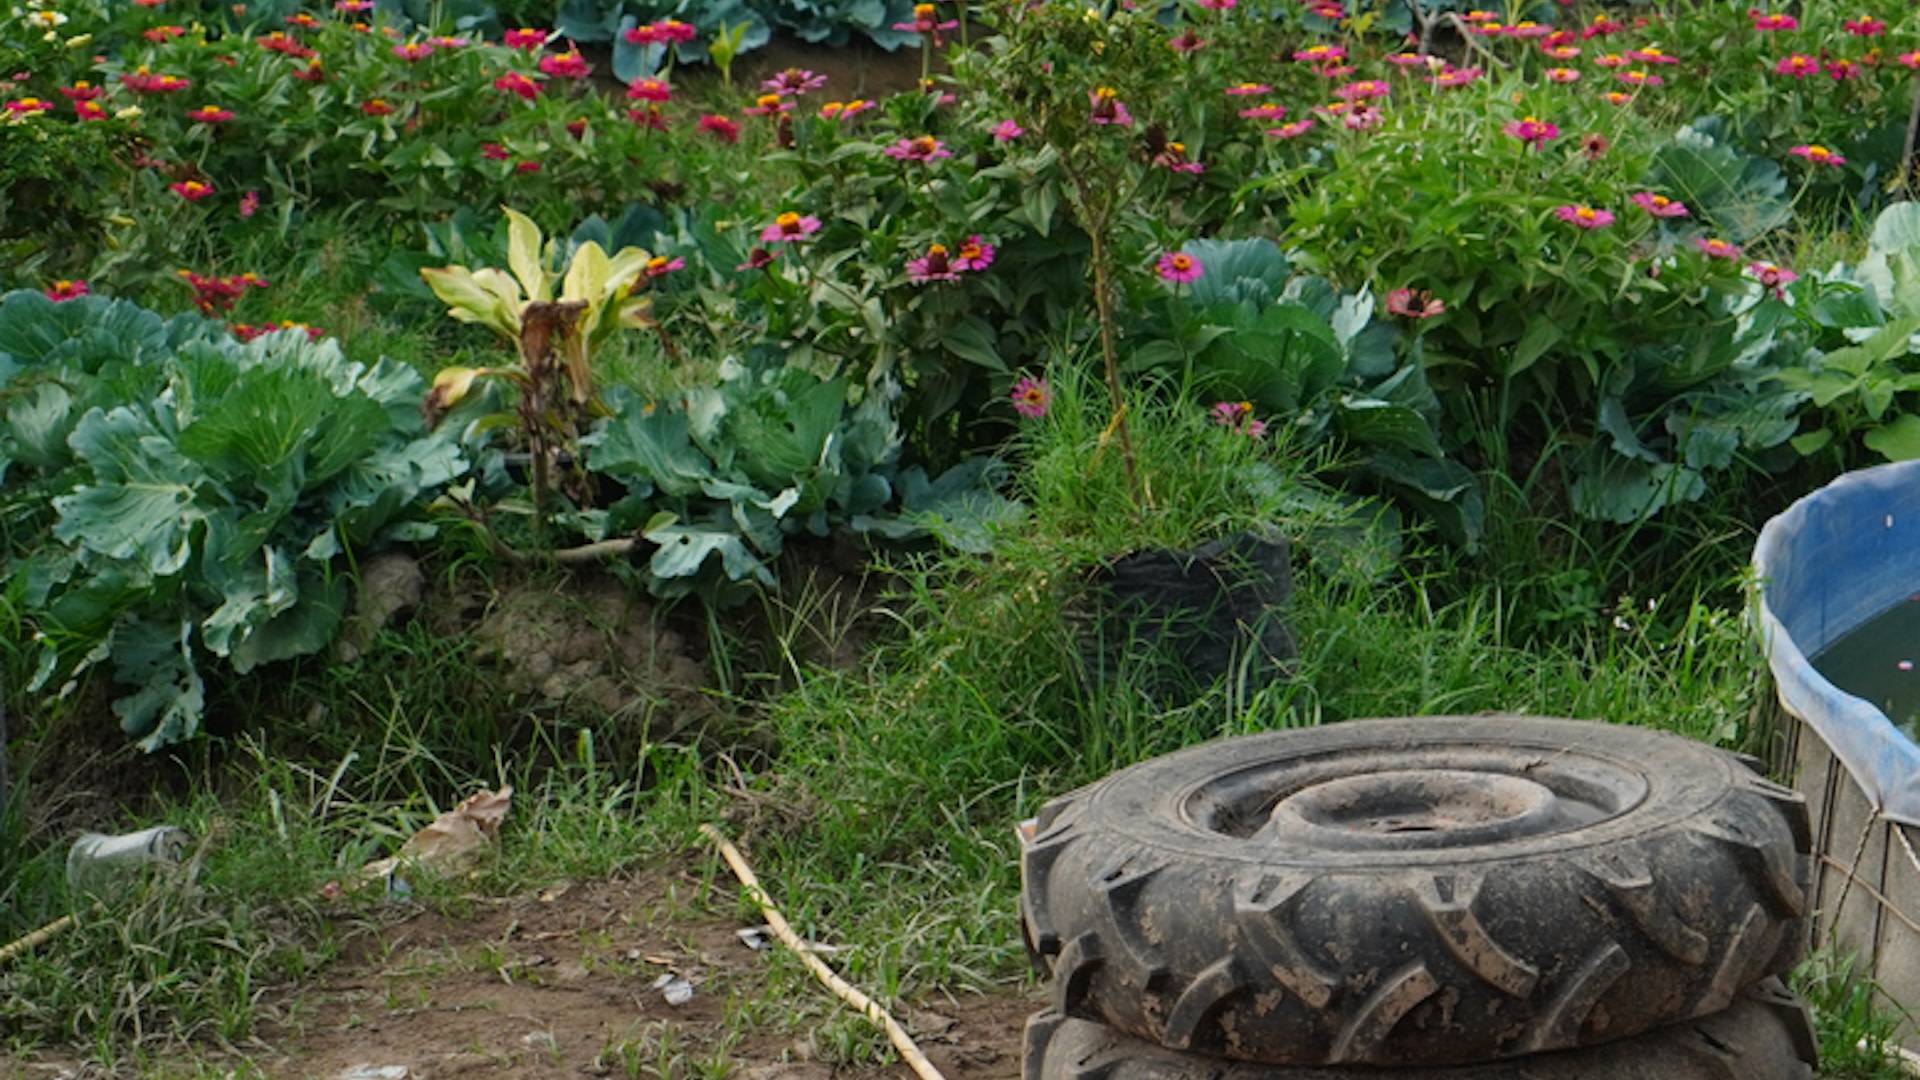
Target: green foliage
[[769, 452], [202, 491]]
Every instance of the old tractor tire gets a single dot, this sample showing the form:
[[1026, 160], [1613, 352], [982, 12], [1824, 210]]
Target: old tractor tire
[[1764, 1035], [1434, 890]]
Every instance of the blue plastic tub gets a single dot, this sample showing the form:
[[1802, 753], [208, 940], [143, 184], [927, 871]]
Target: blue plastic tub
[[1828, 564]]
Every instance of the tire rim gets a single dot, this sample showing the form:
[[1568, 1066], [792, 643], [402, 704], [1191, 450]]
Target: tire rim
[[1415, 798]]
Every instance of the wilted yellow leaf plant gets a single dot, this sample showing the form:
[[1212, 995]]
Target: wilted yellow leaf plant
[[555, 335]]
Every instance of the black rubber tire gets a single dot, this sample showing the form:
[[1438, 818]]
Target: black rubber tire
[[1765, 1034], [1433, 890]]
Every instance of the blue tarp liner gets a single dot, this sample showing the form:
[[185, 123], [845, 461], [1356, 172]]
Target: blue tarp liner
[[1828, 564]]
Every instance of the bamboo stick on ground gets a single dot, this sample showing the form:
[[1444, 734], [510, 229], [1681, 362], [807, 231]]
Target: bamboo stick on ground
[[848, 993], [38, 937]]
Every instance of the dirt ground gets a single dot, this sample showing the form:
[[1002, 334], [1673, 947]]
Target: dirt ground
[[562, 983]]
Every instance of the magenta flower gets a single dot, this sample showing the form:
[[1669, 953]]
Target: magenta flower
[[1007, 131], [724, 128], [67, 290], [191, 190], [1106, 107], [664, 32], [1032, 397], [1842, 70], [1249, 89], [1532, 132], [1586, 217], [1773, 22], [1174, 157], [566, 65], [1562, 75], [1414, 304], [975, 254], [249, 204], [526, 38], [793, 81], [1453, 76], [1866, 26], [514, 82], [1266, 111], [845, 110], [924, 148], [757, 259], [661, 266], [649, 89], [418, 50], [1659, 205], [790, 226], [1186, 41], [210, 114], [1798, 65], [1362, 90], [935, 265], [1238, 415], [768, 105], [926, 22], [1818, 155], [1178, 267], [1716, 248], [1773, 277], [1291, 131]]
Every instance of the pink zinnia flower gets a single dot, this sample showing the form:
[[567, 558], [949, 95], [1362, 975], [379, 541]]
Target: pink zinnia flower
[[1611, 60], [924, 148], [89, 110], [1362, 90], [975, 254], [442, 41], [1866, 26], [81, 91], [1321, 54], [566, 65], [1178, 267], [66, 290], [790, 226], [1248, 89], [352, 7], [1266, 111], [418, 50], [925, 21], [757, 259], [1773, 277], [1842, 70], [514, 82], [377, 107], [794, 81], [1818, 155], [1186, 41], [1032, 397], [1007, 131], [1414, 304], [249, 204], [1636, 77], [493, 151], [1798, 65], [1218, 5], [768, 105], [1238, 415], [1716, 248], [845, 110], [526, 167], [1361, 118], [1562, 75], [1453, 76], [1105, 107], [649, 89], [1586, 217], [1650, 55], [1773, 22], [1290, 131], [1174, 157], [661, 266], [526, 38], [1532, 132], [30, 106], [1659, 205], [1909, 59], [933, 266], [191, 190], [724, 128]]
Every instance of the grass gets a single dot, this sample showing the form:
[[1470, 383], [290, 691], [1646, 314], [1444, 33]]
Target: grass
[[880, 804]]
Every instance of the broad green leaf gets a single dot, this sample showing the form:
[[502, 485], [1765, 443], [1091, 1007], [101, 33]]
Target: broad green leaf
[[157, 657], [1371, 422], [1897, 440], [651, 448], [972, 339], [781, 435], [1542, 333], [469, 300], [38, 422], [141, 505], [1253, 270], [684, 549]]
